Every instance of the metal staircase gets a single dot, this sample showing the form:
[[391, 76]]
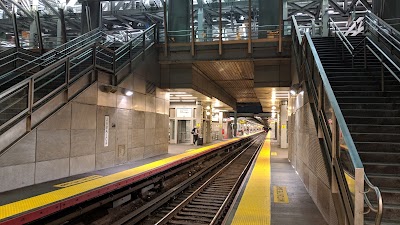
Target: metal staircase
[[354, 89], [32, 92]]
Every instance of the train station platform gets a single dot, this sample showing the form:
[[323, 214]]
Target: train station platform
[[272, 193], [30, 203]]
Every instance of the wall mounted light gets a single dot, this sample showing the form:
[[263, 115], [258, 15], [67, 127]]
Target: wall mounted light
[[295, 89], [127, 92]]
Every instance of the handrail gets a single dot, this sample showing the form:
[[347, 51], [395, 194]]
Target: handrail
[[360, 176], [342, 37], [355, 158]]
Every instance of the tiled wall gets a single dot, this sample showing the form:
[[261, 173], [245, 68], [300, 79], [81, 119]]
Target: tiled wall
[[307, 157], [72, 140]]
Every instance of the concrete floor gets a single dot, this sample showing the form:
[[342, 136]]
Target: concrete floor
[[301, 209]]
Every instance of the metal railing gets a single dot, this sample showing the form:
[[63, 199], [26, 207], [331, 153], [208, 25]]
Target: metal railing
[[346, 165], [20, 101]]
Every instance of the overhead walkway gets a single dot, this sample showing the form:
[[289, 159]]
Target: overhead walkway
[[31, 92], [353, 87]]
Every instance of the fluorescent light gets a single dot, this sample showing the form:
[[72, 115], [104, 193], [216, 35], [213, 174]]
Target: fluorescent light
[[187, 100], [183, 95]]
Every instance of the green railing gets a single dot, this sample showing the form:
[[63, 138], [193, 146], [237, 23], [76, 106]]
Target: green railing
[[348, 174]]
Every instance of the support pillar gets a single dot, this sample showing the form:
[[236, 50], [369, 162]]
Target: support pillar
[[269, 15], [200, 21], [220, 125], [235, 126], [94, 15], [283, 120], [199, 118], [179, 20], [325, 18]]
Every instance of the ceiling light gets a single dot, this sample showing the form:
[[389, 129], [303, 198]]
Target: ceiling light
[[292, 92], [183, 95], [273, 107]]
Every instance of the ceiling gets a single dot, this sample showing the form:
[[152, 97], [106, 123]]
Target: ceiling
[[237, 79]]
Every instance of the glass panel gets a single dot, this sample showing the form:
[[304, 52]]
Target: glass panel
[[347, 165]]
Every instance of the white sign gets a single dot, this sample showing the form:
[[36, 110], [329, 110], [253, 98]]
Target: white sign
[[106, 130], [184, 112]]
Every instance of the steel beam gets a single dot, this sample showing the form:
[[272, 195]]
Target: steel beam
[[16, 36]]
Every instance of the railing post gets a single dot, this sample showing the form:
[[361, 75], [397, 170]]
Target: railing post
[[192, 31], [365, 53], [67, 78], [382, 75], [144, 44], [359, 197], [220, 28], [30, 104], [165, 29], [249, 44]]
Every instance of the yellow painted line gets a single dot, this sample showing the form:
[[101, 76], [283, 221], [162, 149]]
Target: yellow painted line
[[42, 200], [255, 204], [77, 181], [274, 153], [280, 194]]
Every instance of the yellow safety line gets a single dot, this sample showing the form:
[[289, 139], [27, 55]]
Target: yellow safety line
[[255, 204], [42, 200], [77, 181]]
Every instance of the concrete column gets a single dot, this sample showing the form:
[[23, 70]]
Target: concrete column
[[220, 124], [179, 19], [284, 118], [95, 12], [33, 34], [325, 18], [200, 20], [235, 126], [268, 15], [285, 10], [199, 118]]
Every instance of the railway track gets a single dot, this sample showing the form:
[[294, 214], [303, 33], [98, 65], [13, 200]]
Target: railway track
[[206, 202]]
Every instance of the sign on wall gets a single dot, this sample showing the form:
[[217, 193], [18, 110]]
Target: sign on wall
[[106, 130], [184, 112]]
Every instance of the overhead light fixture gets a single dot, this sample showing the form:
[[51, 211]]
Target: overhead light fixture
[[273, 107]]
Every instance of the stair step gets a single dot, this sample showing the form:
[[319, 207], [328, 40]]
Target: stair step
[[384, 180], [370, 112], [373, 128], [390, 168], [377, 146], [369, 99], [386, 106], [379, 157], [376, 137], [367, 93], [373, 120]]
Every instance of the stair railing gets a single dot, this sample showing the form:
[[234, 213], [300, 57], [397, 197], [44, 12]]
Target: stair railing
[[34, 92], [347, 171], [335, 30], [50, 57]]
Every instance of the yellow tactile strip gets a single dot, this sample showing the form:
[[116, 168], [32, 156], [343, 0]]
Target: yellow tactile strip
[[255, 204], [34, 203]]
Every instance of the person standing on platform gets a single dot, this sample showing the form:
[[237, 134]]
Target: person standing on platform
[[195, 133]]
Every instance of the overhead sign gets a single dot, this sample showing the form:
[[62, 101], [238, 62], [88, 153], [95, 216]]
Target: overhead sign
[[184, 112]]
